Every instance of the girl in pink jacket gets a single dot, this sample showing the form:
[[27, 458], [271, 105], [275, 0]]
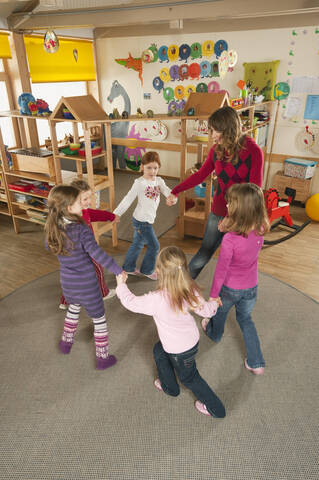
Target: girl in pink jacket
[[170, 306], [236, 275]]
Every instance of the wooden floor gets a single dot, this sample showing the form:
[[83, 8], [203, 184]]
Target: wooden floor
[[295, 261]]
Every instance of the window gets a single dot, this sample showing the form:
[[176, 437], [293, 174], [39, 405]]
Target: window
[[51, 93], [6, 123]]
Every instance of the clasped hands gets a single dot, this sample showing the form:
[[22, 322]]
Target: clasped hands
[[171, 200]]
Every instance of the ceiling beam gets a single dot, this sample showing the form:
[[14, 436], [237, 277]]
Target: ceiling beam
[[223, 25], [130, 15]]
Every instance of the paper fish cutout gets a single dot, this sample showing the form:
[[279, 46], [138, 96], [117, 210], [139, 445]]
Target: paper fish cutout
[[134, 63]]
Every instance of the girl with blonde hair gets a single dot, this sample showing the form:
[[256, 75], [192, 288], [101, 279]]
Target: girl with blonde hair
[[171, 306], [71, 239], [236, 275]]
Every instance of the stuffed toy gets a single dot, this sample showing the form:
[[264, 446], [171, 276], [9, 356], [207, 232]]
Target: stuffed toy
[[23, 101]]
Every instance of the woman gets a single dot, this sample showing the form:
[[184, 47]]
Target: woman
[[236, 158]]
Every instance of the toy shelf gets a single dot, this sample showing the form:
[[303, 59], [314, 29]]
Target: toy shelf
[[31, 194], [80, 158], [26, 206], [24, 216], [87, 111], [31, 175]]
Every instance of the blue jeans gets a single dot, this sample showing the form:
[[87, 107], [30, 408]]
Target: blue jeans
[[185, 366], [143, 235], [211, 241], [244, 301]]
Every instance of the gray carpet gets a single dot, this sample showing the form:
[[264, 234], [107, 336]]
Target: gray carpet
[[165, 218], [63, 420]]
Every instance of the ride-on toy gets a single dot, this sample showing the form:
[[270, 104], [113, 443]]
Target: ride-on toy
[[279, 209]]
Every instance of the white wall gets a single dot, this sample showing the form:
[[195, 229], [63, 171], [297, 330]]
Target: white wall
[[251, 46]]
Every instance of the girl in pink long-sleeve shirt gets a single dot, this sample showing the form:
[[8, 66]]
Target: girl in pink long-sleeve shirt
[[236, 276], [170, 307]]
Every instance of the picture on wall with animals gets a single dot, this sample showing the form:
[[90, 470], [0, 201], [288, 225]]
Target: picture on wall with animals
[[260, 78]]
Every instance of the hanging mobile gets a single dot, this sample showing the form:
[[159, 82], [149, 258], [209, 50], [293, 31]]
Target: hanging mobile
[[50, 42]]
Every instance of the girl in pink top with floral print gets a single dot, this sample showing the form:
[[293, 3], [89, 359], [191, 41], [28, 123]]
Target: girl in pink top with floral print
[[171, 306], [236, 275]]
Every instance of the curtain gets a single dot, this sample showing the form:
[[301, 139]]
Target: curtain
[[73, 62]]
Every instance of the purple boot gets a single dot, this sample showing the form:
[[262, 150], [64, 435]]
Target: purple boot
[[103, 363], [65, 347]]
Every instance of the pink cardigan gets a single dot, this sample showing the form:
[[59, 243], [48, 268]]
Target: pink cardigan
[[237, 265], [177, 330]]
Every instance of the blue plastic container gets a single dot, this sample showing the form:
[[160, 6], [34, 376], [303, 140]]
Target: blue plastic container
[[200, 190]]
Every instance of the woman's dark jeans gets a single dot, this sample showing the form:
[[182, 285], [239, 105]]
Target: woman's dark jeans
[[244, 301], [211, 241], [185, 366]]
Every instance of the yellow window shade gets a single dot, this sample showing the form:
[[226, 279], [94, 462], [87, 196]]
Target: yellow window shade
[[73, 62], [5, 51]]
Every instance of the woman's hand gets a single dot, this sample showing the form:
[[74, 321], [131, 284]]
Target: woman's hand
[[171, 200], [221, 225], [117, 219]]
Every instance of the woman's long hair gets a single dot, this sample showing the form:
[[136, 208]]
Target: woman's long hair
[[227, 122], [246, 210], [174, 278], [60, 198]]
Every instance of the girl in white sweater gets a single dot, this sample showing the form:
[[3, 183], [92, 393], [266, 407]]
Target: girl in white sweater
[[147, 189]]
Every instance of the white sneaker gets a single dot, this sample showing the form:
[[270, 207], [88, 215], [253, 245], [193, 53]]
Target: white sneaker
[[111, 294], [62, 306], [152, 276]]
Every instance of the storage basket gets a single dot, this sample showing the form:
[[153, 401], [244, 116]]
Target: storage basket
[[299, 168]]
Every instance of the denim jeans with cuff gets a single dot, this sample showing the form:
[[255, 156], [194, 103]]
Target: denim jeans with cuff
[[244, 302], [185, 366], [143, 235], [211, 241]]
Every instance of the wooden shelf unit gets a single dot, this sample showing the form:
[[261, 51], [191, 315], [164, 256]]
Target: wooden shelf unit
[[11, 174], [87, 111]]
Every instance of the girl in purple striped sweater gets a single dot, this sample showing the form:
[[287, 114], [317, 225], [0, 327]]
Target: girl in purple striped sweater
[[68, 237]]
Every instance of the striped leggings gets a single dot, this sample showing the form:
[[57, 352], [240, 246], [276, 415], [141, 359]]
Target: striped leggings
[[100, 330]]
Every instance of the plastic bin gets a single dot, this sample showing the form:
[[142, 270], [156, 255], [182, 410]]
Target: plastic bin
[[299, 168]]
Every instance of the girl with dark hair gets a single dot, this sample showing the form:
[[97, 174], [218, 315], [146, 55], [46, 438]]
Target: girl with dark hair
[[235, 158]]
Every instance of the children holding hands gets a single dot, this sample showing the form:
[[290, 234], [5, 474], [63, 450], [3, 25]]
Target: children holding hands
[[69, 235]]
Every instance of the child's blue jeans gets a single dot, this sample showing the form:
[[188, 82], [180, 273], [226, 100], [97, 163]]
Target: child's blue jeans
[[143, 235], [244, 301], [185, 366]]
